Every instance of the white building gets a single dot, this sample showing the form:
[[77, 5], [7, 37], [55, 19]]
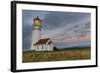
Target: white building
[[43, 45], [39, 44]]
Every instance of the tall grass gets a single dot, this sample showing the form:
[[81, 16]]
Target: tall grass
[[79, 54]]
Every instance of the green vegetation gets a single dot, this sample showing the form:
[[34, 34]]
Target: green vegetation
[[73, 54]]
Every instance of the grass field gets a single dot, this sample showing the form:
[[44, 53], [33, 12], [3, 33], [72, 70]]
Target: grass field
[[73, 54]]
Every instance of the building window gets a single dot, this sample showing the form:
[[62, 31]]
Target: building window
[[37, 47], [42, 47], [48, 47]]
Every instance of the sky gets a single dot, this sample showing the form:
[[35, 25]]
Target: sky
[[65, 29]]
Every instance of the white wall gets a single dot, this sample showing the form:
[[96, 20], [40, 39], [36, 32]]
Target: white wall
[[5, 37], [36, 36]]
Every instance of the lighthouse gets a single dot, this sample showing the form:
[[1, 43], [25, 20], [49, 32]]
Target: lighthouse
[[36, 31], [38, 43]]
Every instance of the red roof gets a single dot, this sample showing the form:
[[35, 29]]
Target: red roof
[[49, 42], [42, 41]]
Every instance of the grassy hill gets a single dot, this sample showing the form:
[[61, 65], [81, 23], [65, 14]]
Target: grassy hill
[[68, 54]]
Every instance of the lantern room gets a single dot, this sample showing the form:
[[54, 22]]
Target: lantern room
[[37, 21]]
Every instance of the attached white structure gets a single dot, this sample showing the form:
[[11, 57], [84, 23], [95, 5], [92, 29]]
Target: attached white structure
[[43, 45]]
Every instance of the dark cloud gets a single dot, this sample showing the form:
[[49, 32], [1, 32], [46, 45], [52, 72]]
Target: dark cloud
[[58, 19], [26, 43], [55, 25]]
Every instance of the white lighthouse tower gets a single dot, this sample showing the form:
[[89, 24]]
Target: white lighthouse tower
[[36, 32]]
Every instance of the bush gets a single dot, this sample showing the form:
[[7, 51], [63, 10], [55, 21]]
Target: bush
[[55, 48]]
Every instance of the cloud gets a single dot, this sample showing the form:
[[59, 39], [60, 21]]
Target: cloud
[[64, 28], [76, 28], [59, 19]]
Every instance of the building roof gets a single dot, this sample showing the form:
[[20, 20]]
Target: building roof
[[42, 41], [49, 42]]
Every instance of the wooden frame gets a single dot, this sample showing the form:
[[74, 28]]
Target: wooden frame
[[14, 35]]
